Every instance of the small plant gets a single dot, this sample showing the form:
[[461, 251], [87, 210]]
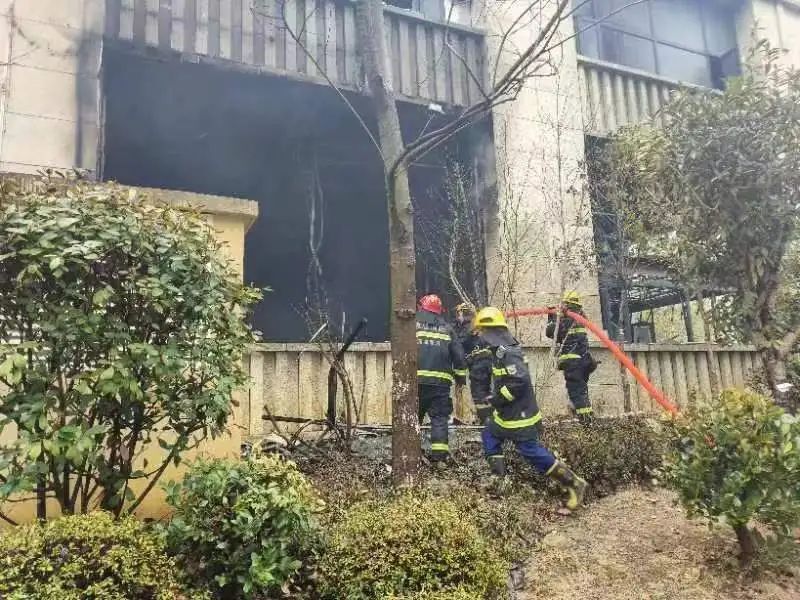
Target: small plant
[[414, 545], [242, 526], [86, 557], [736, 461]]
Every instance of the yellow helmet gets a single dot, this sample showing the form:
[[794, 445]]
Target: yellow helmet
[[490, 317], [571, 297]]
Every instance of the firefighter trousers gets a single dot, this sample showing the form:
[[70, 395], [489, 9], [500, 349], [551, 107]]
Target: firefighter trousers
[[435, 401], [531, 450], [576, 378]]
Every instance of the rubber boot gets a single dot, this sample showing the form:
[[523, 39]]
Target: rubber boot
[[585, 416], [500, 484], [574, 485]]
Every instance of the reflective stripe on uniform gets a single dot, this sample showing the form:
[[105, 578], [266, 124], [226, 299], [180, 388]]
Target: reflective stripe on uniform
[[577, 330], [440, 447], [478, 352], [460, 372], [569, 356], [506, 393], [517, 424], [432, 335], [502, 371], [585, 410], [436, 375]]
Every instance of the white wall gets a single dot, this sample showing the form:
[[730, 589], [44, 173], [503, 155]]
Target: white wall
[[49, 96], [776, 20]]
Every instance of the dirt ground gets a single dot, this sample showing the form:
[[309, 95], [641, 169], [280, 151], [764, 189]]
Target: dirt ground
[[637, 545]]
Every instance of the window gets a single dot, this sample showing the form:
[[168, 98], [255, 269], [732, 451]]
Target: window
[[693, 41]]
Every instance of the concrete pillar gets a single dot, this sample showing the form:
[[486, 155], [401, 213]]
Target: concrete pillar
[[50, 92], [778, 21], [543, 206]]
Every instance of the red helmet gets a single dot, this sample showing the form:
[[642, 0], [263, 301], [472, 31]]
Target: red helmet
[[431, 303]]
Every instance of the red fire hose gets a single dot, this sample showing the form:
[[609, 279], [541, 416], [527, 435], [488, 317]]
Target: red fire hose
[[657, 395]]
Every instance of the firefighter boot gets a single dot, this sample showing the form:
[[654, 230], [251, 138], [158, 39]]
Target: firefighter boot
[[500, 484], [574, 485]]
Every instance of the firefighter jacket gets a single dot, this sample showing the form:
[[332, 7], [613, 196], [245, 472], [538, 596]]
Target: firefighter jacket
[[499, 375], [440, 357], [572, 339], [466, 337]]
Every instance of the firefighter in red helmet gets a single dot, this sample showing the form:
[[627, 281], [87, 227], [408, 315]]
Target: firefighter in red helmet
[[440, 363]]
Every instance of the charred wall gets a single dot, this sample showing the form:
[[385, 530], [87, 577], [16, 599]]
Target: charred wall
[[212, 130]]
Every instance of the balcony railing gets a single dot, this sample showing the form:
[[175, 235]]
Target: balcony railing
[[615, 96], [428, 61]]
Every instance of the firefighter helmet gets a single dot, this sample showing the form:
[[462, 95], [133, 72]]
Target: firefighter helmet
[[571, 297], [431, 303], [490, 317]]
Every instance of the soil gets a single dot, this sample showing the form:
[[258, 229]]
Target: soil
[[637, 544]]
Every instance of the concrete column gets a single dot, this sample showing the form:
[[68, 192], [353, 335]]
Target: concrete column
[[50, 94], [776, 20], [543, 206]]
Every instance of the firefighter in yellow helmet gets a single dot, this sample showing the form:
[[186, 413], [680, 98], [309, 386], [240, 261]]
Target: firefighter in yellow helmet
[[574, 358], [503, 394]]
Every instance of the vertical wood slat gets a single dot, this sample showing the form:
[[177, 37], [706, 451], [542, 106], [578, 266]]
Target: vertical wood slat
[[331, 48], [351, 54], [620, 101], [308, 53], [645, 402], [681, 387], [704, 374], [225, 28], [726, 369], [404, 58], [178, 25], [692, 382], [392, 41], [164, 26], [439, 65], [256, 393], [127, 12], [341, 48], [113, 10], [214, 27], [598, 108], [259, 32], [248, 33], [203, 26], [473, 60], [457, 72], [139, 21], [425, 68], [608, 101], [667, 375], [237, 29], [189, 26], [151, 29], [289, 46]]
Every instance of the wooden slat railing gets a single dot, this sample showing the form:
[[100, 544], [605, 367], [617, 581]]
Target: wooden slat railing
[[429, 61]]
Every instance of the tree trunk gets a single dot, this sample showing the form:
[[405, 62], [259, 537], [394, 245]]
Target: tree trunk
[[747, 545], [774, 368], [402, 263]]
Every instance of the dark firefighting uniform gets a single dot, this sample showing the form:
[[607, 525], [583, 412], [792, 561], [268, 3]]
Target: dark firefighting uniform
[[440, 362], [503, 394], [574, 360]]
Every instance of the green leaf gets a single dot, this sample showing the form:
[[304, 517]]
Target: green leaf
[[56, 262]]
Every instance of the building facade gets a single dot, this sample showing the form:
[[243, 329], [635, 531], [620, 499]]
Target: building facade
[[233, 98]]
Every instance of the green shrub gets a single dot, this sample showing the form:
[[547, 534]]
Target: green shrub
[[86, 557], [737, 460], [242, 526], [406, 545], [611, 453], [121, 325]]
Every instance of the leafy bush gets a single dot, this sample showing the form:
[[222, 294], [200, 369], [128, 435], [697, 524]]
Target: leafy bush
[[411, 546], [86, 557], [242, 526], [737, 460], [611, 453], [121, 324]]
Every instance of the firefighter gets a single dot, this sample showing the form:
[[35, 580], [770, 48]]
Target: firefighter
[[440, 363], [503, 394], [574, 358]]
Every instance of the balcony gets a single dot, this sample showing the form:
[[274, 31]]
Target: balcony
[[422, 67], [614, 96]]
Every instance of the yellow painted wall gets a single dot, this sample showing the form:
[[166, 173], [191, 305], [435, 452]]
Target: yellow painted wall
[[230, 218]]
